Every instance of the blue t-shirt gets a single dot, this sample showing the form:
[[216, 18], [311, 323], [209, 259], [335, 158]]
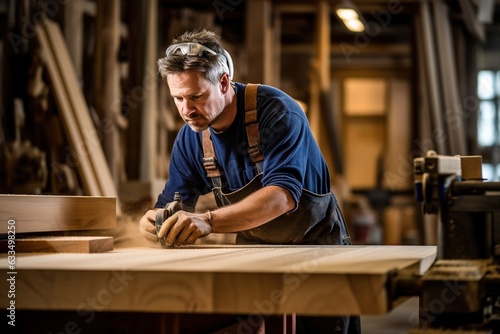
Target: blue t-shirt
[[292, 158]]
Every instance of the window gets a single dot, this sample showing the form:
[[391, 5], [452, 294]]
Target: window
[[488, 123]]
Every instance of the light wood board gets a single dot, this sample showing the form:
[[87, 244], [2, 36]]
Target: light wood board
[[44, 213], [322, 280], [73, 244]]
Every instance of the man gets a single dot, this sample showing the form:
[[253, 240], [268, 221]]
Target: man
[[266, 171]]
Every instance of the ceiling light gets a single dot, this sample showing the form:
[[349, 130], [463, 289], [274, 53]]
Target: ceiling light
[[350, 16], [355, 25], [347, 14]]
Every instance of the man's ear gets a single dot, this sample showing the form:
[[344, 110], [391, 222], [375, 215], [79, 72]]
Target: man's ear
[[225, 83]]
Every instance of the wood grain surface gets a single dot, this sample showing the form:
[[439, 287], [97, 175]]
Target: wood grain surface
[[73, 244], [43, 213], [320, 280]]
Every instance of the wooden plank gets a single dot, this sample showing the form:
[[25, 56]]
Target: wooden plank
[[79, 109], [76, 244], [253, 279], [39, 213], [73, 32], [79, 156]]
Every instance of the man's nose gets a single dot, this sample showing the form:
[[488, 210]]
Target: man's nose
[[186, 107]]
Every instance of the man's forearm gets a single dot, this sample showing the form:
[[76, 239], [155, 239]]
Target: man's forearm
[[256, 209]]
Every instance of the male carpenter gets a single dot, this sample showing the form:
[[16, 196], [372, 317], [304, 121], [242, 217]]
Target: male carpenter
[[267, 173]]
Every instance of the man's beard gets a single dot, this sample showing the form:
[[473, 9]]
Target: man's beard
[[199, 128]]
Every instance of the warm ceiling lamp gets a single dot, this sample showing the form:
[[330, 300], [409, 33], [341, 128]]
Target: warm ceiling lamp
[[350, 16]]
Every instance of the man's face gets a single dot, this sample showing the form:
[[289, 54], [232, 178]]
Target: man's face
[[198, 101]]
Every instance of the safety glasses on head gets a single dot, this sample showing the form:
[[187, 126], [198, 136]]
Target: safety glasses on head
[[198, 50], [188, 49]]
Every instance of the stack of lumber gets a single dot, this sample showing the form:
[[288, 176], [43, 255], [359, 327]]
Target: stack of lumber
[[35, 214], [77, 244], [86, 151]]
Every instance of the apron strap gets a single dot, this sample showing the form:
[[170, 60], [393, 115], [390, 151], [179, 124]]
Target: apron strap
[[252, 125], [209, 158], [252, 129]]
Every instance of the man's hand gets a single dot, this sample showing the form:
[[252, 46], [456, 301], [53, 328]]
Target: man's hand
[[147, 225], [184, 228]]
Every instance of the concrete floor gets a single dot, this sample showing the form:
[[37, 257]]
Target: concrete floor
[[401, 320]]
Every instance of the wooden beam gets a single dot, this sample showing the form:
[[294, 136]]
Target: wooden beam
[[336, 51], [150, 121], [319, 79], [41, 213], [276, 49], [259, 42], [73, 32], [60, 245], [322, 116], [323, 44], [306, 280], [107, 82], [295, 8], [397, 175]]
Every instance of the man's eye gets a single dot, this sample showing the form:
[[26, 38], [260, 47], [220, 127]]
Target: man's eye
[[178, 99], [195, 97]]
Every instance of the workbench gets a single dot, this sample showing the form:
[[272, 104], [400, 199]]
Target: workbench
[[305, 280]]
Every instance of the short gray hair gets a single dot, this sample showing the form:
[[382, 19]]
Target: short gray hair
[[211, 65]]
